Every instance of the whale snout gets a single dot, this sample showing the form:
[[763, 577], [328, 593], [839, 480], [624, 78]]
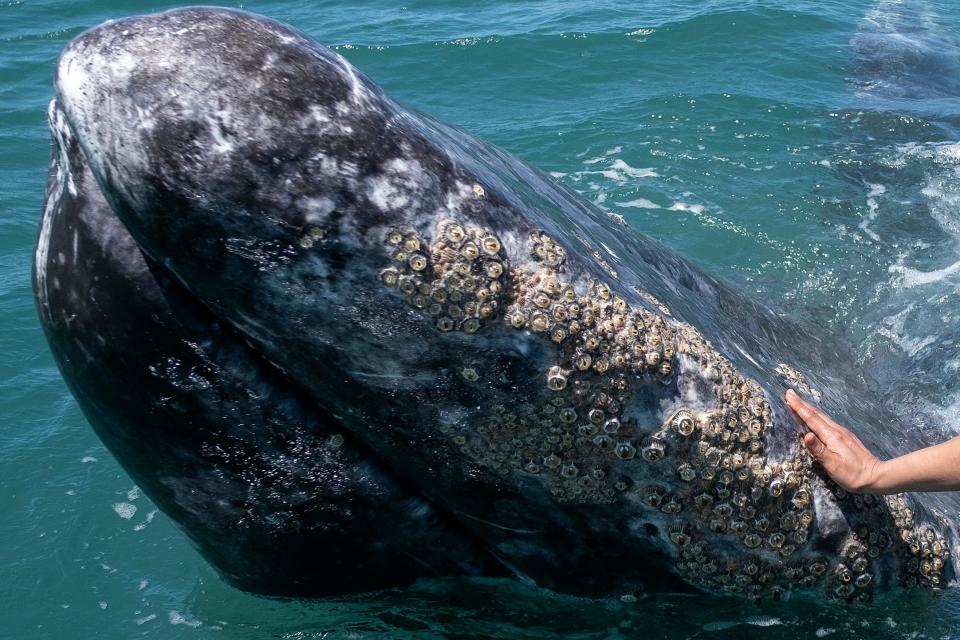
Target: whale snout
[[171, 107]]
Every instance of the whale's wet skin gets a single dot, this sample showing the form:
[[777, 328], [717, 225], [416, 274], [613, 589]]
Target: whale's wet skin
[[366, 347]]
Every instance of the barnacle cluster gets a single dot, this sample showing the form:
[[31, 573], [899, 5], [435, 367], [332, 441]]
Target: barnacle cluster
[[923, 551], [311, 237], [600, 260], [457, 280], [545, 251], [797, 380], [736, 520], [649, 297]]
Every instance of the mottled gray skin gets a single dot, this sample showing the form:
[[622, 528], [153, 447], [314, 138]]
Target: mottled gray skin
[[271, 490], [901, 52], [277, 185]]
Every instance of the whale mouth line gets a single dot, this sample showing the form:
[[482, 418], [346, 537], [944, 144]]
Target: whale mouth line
[[494, 524]]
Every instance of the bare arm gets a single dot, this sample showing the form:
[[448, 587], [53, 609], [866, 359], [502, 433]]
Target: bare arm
[[855, 468]]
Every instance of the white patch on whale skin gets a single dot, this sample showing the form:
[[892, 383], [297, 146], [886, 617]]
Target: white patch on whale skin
[[394, 189], [220, 143], [319, 114], [145, 119], [347, 170], [454, 199], [514, 244], [43, 247], [385, 194], [61, 178], [746, 355], [61, 130], [691, 382], [269, 61], [404, 167], [316, 210], [358, 93], [82, 74], [71, 77], [829, 517], [609, 251]]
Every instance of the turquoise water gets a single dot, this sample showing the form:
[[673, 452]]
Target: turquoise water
[[806, 153]]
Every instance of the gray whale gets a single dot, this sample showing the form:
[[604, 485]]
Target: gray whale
[[292, 307]]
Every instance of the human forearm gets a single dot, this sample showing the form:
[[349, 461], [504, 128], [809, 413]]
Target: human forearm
[[935, 468], [855, 468]]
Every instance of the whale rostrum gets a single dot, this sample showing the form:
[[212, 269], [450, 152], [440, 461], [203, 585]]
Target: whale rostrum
[[570, 400]]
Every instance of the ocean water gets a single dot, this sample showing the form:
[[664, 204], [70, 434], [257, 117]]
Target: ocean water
[[807, 152]]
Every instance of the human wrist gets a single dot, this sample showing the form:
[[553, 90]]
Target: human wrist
[[876, 476]]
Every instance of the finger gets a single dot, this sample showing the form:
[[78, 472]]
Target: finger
[[829, 459], [825, 428], [814, 444], [794, 400], [834, 423], [814, 420], [828, 429]]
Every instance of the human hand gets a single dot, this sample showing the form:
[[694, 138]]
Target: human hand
[[841, 453]]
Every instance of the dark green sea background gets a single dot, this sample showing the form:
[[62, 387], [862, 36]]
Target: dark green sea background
[[763, 140]]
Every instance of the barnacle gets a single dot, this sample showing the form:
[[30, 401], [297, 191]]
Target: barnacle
[[653, 450], [684, 422], [625, 450]]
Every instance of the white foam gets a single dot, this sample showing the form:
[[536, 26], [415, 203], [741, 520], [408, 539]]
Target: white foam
[[639, 203], [176, 617], [695, 209], [124, 509], [143, 525], [914, 277], [871, 216], [619, 169]]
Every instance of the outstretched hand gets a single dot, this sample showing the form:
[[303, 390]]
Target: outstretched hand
[[841, 453]]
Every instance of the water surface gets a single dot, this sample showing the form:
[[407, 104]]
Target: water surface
[[807, 152]]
